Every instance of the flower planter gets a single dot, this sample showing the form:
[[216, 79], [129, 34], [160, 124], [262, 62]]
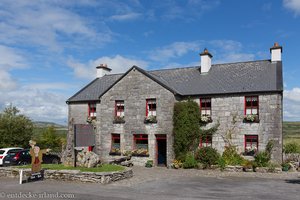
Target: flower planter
[[119, 120], [251, 119], [150, 120]]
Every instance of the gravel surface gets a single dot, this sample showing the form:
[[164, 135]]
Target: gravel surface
[[143, 174]]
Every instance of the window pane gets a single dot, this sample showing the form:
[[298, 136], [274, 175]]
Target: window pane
[[248, 112], [254, 111]]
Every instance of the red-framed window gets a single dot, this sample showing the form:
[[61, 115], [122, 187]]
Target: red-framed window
[[92, 110], [251, 143], [205, 141], [205, 106], [150, 107], [119, 108], [115, 141], [251, 105], [140, 141]]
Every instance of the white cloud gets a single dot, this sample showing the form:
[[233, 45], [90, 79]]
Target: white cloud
[[174, 50], [46, 24], [125, 17], [118, 64], [10, 60], [291, 104], [293, 5], [38, 104], [229, 51]]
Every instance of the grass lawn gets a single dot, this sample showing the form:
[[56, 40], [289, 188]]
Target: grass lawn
[[103, 168]]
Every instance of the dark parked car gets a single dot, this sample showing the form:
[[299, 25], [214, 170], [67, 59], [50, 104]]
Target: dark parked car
[[23, 157]]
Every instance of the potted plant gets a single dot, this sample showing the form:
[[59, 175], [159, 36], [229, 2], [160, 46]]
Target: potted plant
[[285, 167], [150, 119], [149, 163]]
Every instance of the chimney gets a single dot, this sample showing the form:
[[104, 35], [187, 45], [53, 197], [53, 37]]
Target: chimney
[[102, 70], [276, 51], [205, 61]]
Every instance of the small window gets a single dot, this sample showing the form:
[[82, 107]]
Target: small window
[[115, 144], [251, 105], [205, 107], [251, 144], [119, 108], [140, 147], [205, 141], [150, 107], [92, 110]]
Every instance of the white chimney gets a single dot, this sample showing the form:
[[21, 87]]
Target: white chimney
[[102, 70], [205, 61], [276, 51]]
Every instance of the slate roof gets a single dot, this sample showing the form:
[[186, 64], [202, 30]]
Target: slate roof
[[229, 78]]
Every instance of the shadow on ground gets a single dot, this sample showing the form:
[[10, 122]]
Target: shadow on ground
[[293, 181]]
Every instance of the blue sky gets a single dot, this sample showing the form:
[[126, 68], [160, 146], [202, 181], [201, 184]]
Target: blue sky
[[49, 49]]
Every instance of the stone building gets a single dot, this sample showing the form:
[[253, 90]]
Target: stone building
[[132, 112]]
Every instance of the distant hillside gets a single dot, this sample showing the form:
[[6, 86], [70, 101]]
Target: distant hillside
[[40, 124], [291, 132]]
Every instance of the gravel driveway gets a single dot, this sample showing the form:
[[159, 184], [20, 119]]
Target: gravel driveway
[[165, 184]]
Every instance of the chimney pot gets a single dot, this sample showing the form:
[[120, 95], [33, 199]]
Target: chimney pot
[[205, 61], [276, 51], [102, 70]]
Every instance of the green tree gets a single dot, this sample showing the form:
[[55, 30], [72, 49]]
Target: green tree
[[15, 129], [186, 128], [50, 139]]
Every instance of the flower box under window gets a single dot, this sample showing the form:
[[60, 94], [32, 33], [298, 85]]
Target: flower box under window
[[150, 119], [115, 152], [251, 119], [90, 119], [205, 119], [140, 152], [119, 120]]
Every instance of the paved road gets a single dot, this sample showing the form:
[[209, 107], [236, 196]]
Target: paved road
[[163, 187]]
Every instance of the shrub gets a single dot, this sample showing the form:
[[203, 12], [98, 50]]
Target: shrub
[[247, 164], [262, 159], [207, 156], [186, 128], [221, 163], [231, 156], [292, 148], [189, 161]]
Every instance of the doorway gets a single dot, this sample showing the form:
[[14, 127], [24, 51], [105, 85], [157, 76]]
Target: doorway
[[161, 150]]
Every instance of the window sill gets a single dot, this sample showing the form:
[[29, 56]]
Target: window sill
[[249, 121], [139, 155], [118, 122], [114, 154], [147, 122]]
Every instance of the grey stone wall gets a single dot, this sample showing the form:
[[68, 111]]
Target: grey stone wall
[[134, 89], [77, 114], [268, 128], [71, 175]]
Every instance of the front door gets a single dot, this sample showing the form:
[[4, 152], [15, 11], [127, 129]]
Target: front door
[[161, 146]]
